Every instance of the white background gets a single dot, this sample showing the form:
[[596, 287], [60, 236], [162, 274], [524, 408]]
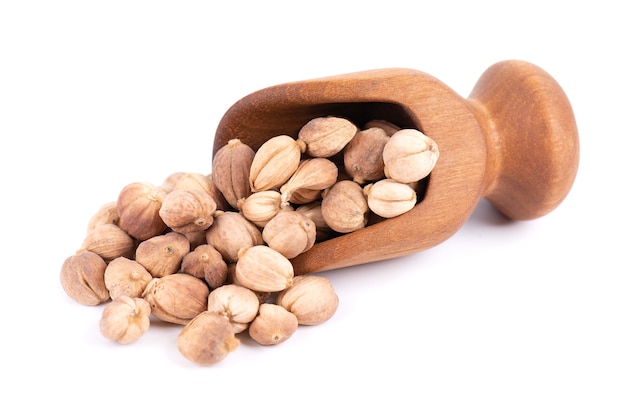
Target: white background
[[523, 319]]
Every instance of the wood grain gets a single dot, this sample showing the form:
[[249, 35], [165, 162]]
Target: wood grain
[[513, 141]]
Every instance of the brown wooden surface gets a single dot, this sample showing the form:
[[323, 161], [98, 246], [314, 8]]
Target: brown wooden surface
[[513, 141]]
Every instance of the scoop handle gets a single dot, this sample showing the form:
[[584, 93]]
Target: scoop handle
[[532, 138]]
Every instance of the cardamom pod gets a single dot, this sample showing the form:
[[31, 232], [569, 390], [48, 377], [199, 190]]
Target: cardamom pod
[[262, 206], [389, 198], [231, 170], [239, 304], [262, 269], [205, 262], [207, 339], [230, 232], [363, 156], [312, 176], [162, 255], [409, 156], [290, 233], [138, 206], [312, 299], [177, 298], [327, 136], [344, 207], [273, 325], [188, 211], [274, 162], [389, 127]]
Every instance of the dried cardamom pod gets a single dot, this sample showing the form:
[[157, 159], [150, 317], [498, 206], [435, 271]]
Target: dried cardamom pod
[[191, 181], [409, 156], [231, 232], [188, 211], [290, 233], [126, 277], [205, 262], [138, 206], [82, 278], [303, 196], [273, 325], [239, 304], [109, 241], [312, 299], [263, 269], [163, 254], [231, 170], [314, 175], [194, 181], [207, 339], [177, 298], [363, 156], [344, 207], [262, 206], [274, 162], [388, 127], [389, 198], [125, 319], [326, 136], [107, 214]]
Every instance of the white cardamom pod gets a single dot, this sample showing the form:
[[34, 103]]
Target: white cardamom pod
[[262, 269], [231, 232], [409, 156], [389, 127], [188, 211], [312, 299], [262, 206], [388, 198], [231, 170], [290, 233], [326, 136], [239, 304], [274, 162], [312, 175], [273, 325]]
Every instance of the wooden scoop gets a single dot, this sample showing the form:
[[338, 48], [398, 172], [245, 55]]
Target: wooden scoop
[[513, 141]]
